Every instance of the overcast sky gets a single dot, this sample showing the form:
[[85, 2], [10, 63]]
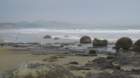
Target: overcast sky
[[116, 12]]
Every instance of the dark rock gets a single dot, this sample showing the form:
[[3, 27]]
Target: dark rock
[[85, 40], [100, 43], [123, 43], [92, 52], [110, 57], [74, 62], [137, 43], [136, 46], [47, 37]]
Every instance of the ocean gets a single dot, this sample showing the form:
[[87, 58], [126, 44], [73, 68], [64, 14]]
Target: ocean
[[37, 34]]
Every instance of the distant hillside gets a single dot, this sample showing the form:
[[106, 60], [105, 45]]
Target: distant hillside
[[7, 25], [37, 24], [62, 25]]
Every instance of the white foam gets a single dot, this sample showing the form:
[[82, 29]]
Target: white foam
[[72, 33]]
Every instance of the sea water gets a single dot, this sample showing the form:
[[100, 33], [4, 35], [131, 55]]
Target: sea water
[[37, 34]]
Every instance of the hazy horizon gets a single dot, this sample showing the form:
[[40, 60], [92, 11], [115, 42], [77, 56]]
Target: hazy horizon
[[99, 12], [107, 19]]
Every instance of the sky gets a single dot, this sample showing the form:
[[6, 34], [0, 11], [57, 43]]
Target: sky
[[105, 12]]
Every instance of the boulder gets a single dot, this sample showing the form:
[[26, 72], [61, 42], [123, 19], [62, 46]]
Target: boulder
[[100, 43], [123, 43], [136, 46], [85, 40]]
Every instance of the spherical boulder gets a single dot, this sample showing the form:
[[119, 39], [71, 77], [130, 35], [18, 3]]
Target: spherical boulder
[[85, 40], [137, 43], [123, 43], [41, 70], [99, 43], [136, 46]]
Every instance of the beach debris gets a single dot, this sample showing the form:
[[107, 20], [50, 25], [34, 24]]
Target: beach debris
[[41, 70], [85, 40], [99, 43], [123, 43]]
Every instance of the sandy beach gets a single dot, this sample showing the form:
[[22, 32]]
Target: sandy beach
[[69, 54], [10, 60]]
